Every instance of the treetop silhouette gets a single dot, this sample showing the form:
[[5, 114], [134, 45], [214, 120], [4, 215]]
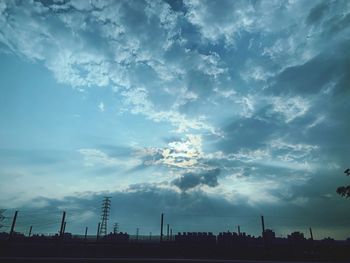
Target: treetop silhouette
[[344, 191]]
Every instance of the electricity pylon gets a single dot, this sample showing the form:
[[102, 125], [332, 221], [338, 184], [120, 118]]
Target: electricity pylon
[[106, 207], [2, 217], [115, 228]]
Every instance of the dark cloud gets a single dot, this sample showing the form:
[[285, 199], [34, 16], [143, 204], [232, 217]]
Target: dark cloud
[[330, 133], [333, 140], [141, 205], [176, 5], [317, 13], [191, 180], [200, 83], [248, 133], [336, 25], [312, 76]]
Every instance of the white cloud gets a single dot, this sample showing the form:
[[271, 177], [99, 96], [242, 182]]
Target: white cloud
[[101, 106], [95, 157], [219, 21], [140, 104], [75, 57], [317, 121], [254, 192], [185, 154], [299, 147], [103, 48], [291, 107]]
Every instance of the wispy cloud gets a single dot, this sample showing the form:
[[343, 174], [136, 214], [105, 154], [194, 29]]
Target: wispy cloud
[[95, 157], [101, 107]]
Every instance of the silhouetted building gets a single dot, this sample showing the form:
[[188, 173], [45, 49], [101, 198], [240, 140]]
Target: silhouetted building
[[296, 236], [117, 237], [269, 235], [196, 238], [228, 238], [297, 239]]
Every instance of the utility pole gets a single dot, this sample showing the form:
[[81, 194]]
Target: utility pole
[[171, 234], [150, 235], [13, 224], [64, 226], [161, 227], [62, 223], [30, 231], [167, 232], [263, 225], [115, 228], [239, 230], [106, 207], [311, 235], [98, 230], [86, 231], [137, 234]]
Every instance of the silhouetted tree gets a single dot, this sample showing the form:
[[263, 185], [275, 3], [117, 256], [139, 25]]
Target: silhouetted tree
[[344, 190]]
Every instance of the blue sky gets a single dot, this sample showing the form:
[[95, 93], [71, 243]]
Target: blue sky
[[218, 110]]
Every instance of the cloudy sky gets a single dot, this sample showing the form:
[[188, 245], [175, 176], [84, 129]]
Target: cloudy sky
[[213, 112]]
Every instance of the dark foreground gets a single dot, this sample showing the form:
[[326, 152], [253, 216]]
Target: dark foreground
[[134, 260], [68, 251]]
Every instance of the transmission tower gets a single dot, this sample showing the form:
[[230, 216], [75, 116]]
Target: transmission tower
[[115, 228], [2, 217], [106, 207]]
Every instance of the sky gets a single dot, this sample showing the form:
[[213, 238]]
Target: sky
[[212, 112]]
